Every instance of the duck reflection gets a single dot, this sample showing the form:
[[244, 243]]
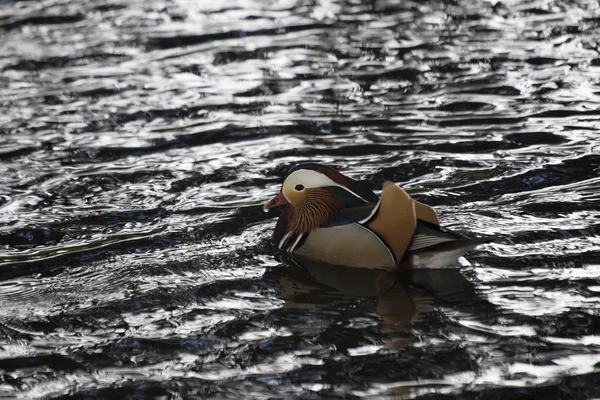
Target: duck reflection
[[403, 297]]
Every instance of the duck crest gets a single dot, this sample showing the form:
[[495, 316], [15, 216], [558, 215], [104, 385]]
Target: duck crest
[[358, 188]]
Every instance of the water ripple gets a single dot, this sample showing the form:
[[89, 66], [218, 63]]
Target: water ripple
[[139, 139]]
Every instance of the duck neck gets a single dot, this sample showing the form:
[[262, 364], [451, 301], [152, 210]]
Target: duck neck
[[313, 211]]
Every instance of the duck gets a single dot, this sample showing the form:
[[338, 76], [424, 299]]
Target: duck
[[329, 217]]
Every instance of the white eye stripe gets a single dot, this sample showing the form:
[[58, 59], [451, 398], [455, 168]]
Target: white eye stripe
[[311, 179], [308, 179]]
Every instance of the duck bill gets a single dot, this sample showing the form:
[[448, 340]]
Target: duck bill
[[276, 201]]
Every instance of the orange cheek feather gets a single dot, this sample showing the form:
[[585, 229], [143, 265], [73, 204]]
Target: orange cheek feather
[[293, 196]]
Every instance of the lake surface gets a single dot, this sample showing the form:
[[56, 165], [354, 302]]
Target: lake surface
[[138, 140]]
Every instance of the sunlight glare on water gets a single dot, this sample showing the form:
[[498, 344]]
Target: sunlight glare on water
[[139, 140]]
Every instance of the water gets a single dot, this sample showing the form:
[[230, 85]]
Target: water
[[139, 139]]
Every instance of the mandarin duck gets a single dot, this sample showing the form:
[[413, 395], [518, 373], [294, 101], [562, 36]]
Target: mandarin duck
[[338, 220]]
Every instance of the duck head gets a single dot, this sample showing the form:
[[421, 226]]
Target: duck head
[[313, 193]]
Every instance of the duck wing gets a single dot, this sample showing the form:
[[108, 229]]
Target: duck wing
[[403, 224], [358, 213], [394, 220], [426, 213], [350, 215], [428, 235]]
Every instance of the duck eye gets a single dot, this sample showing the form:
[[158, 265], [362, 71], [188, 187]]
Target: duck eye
[[299, 188]]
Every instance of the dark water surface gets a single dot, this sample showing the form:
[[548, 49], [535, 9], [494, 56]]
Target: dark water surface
[[138, 140]]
